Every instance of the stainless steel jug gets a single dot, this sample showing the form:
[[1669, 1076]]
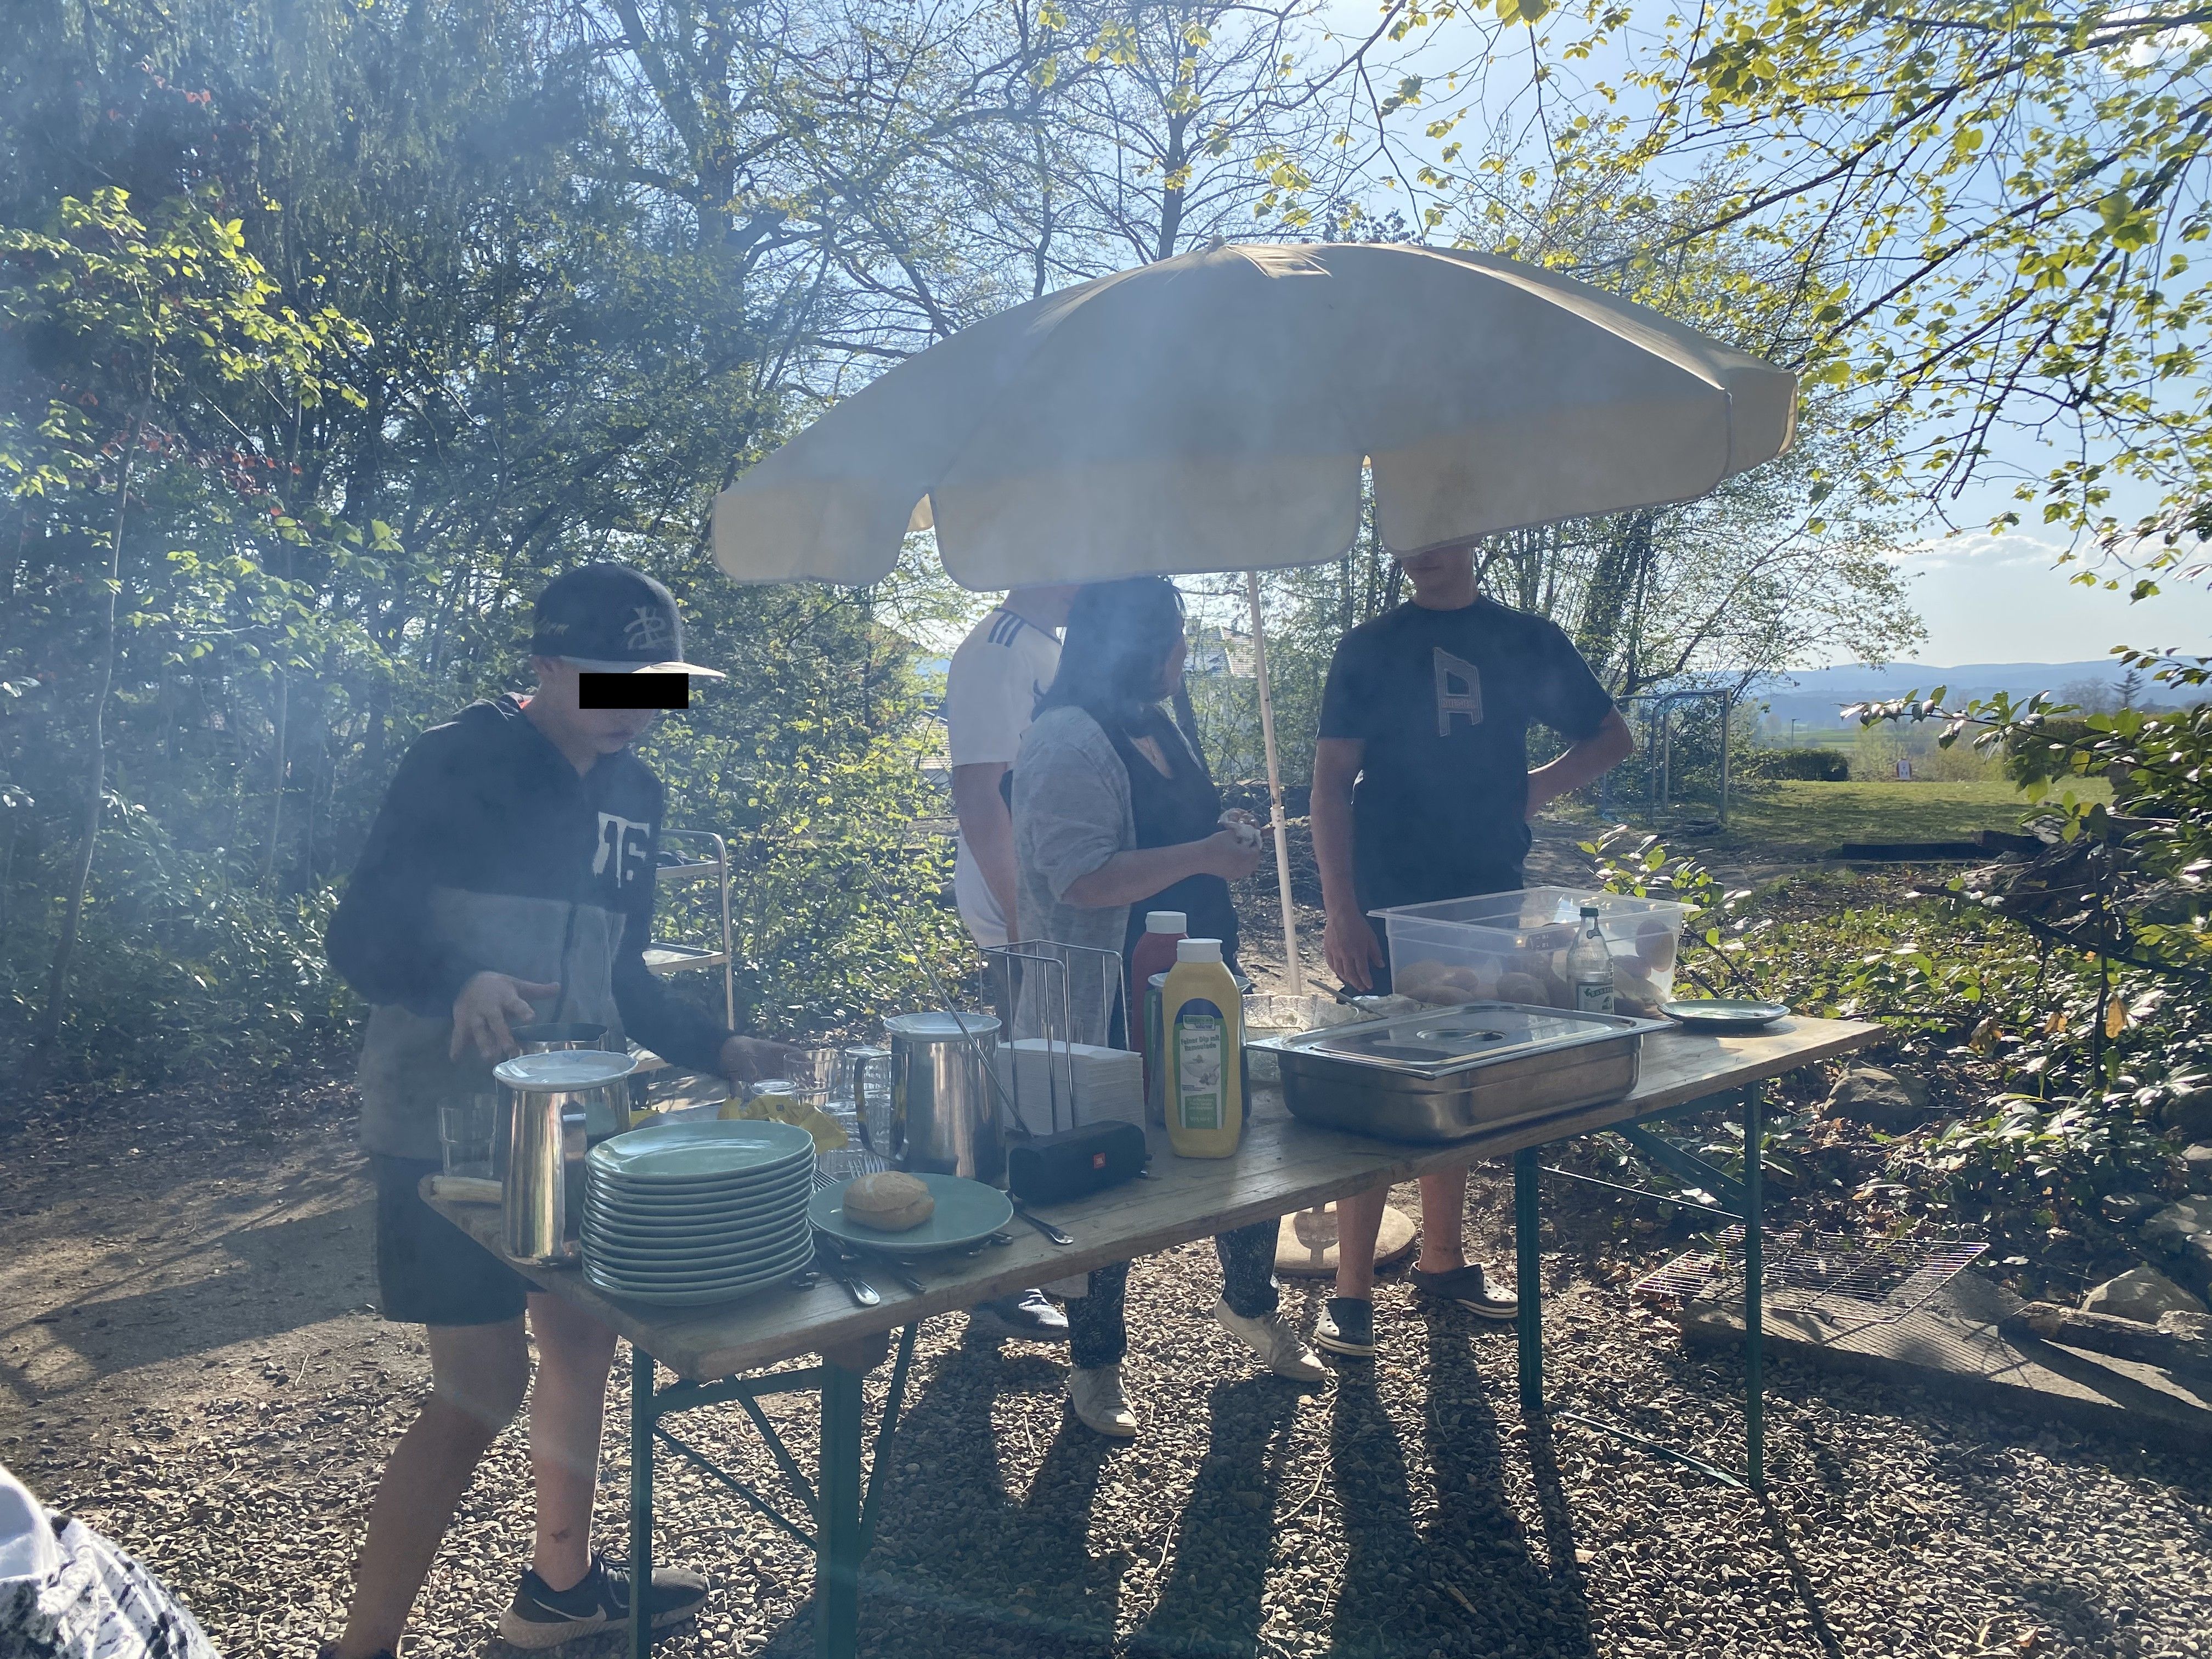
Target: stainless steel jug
[[546, 1101], [540, 1039], [945, 1109]]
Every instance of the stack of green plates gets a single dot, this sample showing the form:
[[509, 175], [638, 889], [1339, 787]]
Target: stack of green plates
[[688, 1214]]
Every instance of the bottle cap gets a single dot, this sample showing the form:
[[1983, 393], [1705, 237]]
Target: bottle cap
[[1590, 910], [1166, 921], [1197, 950]]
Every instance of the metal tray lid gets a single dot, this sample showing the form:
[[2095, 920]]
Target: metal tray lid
[[1436, 1042]]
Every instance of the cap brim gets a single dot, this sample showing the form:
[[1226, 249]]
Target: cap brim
[[603, 666]]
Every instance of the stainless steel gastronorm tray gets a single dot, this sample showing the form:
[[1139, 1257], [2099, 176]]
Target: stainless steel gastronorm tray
[[1446, 1073]]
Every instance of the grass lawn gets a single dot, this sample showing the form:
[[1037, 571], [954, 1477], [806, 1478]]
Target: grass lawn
[[1823, 815]]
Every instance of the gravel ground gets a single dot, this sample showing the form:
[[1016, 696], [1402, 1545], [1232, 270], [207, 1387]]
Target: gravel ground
[[187, 1361]]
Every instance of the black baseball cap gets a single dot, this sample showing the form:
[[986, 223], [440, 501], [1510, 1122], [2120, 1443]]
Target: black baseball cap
[[610, 619]]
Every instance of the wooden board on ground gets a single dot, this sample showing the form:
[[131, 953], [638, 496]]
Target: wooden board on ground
[[1955, 1345], [1305, 1246], [1283, 1165]]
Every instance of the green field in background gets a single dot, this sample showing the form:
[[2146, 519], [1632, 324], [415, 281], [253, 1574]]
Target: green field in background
[[1824, 814]]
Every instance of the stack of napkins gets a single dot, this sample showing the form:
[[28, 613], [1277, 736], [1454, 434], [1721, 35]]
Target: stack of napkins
[[1063, 1086]]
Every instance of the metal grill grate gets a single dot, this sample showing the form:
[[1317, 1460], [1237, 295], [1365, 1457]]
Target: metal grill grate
[[1836, 1276]]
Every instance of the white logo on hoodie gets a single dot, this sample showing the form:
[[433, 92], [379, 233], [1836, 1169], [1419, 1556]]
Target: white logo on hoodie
[[623, 843]]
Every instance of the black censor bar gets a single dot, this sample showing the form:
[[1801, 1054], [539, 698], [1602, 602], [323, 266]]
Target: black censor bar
[[632, 691]]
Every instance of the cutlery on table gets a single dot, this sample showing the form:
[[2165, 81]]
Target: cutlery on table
[[1043, 1226], [864, 1294]]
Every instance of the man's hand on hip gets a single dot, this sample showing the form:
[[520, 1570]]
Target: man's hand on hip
[[485, 1005]]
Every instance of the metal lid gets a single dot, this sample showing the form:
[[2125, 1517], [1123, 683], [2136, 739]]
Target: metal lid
[[563, 1068], [940, 1027], [1438, 1040]]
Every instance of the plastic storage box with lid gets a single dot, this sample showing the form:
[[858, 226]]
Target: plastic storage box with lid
[[1513, 947]]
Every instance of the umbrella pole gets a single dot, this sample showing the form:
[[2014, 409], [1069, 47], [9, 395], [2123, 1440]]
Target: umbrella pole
[[1274, 789]]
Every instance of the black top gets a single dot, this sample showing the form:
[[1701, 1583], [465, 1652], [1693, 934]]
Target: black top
[[1443, 700], [488, 840], [1181, 806]]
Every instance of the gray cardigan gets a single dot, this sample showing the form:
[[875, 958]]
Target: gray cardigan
[[1072, 811]]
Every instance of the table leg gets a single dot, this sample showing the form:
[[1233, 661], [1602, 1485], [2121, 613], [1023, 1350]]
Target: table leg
[[1529, 1282], [1754, 1289], [837, 1528], [641, 1500]]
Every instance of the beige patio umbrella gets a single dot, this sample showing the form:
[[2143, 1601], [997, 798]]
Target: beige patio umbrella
[[1214, 412]]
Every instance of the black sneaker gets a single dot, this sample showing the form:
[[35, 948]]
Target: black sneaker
[[541, 1617], [1465, 1287], [1347, 1326], [1025, 1317]]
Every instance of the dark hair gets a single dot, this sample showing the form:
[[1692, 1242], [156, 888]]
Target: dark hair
[[1118, 634]]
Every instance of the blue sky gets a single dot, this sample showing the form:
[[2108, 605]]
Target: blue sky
[[1984, 597]]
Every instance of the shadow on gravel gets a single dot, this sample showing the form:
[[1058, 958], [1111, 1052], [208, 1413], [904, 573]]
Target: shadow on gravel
[[958, 1567], [1379, 1611], [1211, 1604], [1507, 1599], [253, 1282]]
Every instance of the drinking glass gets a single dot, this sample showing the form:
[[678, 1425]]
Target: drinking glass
[[464, 1136]]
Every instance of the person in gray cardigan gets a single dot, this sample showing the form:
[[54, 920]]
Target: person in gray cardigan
[[1115, 813]]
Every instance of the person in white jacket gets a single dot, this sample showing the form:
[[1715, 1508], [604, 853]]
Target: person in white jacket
[[991, 693]]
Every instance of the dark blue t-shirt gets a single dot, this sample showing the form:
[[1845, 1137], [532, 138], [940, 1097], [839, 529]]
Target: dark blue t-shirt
[[1443, 700]]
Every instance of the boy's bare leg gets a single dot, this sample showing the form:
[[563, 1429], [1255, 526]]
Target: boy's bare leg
[[1358, 1220], [568, 1405], [479, 1374], [1443, 1221]]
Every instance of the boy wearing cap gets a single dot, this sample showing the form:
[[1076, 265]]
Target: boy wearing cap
[[509, 878]]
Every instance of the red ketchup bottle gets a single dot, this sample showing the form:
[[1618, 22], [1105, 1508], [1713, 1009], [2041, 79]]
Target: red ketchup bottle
[[1155, 954]]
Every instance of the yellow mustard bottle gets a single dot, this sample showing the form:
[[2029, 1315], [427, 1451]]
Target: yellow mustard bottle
[[1202, 1017]]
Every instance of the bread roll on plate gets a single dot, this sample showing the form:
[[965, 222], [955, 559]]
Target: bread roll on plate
[[888, 1202]]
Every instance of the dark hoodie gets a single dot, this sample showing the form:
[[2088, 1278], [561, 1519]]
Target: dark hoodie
[[490, 852]]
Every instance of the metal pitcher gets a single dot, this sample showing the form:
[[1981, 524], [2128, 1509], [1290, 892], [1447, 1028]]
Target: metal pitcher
[[545, 1102], [547, 1038], [945, 1109]]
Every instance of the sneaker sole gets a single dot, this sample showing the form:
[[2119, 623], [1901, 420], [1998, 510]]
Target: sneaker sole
[[1490, 1310], [1128, 1433], [1338, 1345], [537, 1636]]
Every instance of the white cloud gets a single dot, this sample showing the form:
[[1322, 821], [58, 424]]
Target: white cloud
[[1983, 551]]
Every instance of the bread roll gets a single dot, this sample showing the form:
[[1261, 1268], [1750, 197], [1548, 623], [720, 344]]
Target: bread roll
[[889, 1202], [1522, 989]]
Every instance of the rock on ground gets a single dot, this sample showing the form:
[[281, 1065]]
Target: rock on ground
[[2141, 1293], [1882, 1099]]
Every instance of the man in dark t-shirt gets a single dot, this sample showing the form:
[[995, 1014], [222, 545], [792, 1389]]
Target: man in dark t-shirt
[[1421, 792]]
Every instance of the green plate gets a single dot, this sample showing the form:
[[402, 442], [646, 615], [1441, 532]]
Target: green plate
[[650, 1241], [708, 1204], [702, 1292], [966, 1211], [647, 1238], [702, 1269], [1721, 1015], [687, 1154]]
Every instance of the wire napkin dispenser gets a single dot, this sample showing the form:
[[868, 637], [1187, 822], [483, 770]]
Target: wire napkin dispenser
[[1063, 1005]]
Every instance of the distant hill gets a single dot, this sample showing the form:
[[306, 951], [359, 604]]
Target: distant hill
[[1811, 696]]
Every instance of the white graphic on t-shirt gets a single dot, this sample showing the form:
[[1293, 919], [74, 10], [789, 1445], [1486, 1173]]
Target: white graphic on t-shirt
[[626, 844], [1466, 699], [647, 630]]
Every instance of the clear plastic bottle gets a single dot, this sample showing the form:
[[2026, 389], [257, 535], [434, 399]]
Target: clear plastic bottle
[[1590, 967]]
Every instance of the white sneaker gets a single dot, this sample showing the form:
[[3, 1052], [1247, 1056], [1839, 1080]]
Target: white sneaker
[[1283, 1349], [1094, 1393]]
